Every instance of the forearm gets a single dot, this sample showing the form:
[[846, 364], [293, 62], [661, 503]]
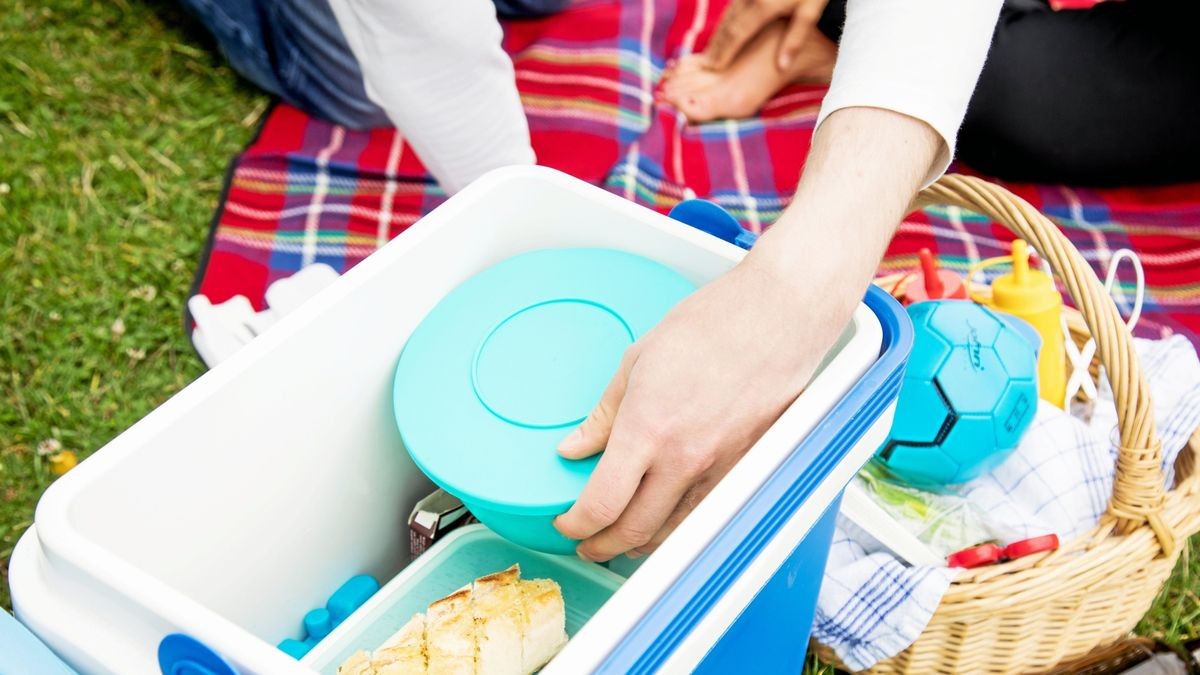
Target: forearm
[[917, 58], [865, 166]]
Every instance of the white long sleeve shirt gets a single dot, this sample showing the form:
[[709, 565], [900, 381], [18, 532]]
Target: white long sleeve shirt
[[437, 69], [921, 58]]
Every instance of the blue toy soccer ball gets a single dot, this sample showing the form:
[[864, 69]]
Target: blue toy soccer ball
[[969, 393]]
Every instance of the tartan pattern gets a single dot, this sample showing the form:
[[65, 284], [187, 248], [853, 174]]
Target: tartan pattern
[[307, 191], [1161, 224]]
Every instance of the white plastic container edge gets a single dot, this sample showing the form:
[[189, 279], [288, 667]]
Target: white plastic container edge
[[56, 594]]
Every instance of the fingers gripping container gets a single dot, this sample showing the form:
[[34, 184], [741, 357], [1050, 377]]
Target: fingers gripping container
[[501, 369], [208, 529]]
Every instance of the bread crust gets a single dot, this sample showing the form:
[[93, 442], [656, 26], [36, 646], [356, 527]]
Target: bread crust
[[500, 624]]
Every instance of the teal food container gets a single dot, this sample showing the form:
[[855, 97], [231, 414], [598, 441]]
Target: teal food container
[[508, 363]]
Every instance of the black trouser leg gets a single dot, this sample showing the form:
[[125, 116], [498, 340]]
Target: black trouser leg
[[1106, 96]]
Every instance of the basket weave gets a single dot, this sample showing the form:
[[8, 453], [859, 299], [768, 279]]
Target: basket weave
[[1035, 612]]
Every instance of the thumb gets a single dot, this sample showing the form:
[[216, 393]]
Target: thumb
[[591, 436], [798, 31]]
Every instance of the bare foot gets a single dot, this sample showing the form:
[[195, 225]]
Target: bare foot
[[749, 82]]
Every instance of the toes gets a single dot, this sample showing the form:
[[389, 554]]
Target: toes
[[701, 81], [671, 96], [696, 97], [668, 70], [704, 95], [678, 70], [669, 90], [682, 84], [707, 105], [691, 63]]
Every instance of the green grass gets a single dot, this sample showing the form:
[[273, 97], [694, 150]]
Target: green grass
[[116, 123], [1175, 616]]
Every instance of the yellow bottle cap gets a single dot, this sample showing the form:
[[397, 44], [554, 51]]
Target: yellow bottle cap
[[1024, 290]]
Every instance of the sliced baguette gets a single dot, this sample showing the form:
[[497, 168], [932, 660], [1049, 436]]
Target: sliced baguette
[[358, 664], [499, 625], [500, 622], [450, 635], [404, 652], [546, 633]]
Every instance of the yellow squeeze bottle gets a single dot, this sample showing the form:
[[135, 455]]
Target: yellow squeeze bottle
[[1030, 295]]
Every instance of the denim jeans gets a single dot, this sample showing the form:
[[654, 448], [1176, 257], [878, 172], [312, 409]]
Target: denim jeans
[[295, 50]]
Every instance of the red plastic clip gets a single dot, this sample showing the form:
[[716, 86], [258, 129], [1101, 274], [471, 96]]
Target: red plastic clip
[[1020, 549], [976, 556]]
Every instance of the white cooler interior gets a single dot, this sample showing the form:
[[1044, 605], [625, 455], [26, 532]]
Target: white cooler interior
[[277, 476]]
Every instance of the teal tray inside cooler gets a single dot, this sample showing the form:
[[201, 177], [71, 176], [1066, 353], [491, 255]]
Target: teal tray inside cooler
[[464, 555]]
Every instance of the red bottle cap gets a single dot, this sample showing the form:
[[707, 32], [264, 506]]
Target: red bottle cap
[[976, 556], [1019, 549], [933, 283]]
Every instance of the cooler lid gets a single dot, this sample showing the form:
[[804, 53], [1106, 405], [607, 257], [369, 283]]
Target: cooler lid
[[507, 363]]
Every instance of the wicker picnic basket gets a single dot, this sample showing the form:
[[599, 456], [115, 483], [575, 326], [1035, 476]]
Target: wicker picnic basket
[[1033, 613]]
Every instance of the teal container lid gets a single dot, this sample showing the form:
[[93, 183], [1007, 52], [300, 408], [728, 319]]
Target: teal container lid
[[507, 363]]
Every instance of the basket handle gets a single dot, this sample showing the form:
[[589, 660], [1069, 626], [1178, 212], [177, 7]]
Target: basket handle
[[1138, 495]]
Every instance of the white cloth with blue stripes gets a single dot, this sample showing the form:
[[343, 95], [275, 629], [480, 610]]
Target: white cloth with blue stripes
[[872, 606]]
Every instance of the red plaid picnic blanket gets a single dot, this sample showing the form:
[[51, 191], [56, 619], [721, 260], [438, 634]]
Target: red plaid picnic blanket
[[306, 191]]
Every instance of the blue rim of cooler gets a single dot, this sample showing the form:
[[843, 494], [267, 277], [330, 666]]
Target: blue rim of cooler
[[652, 640], [685, 602]]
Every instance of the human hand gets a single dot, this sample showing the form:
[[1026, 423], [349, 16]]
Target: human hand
[[692, 395], [690, 398], [745, 19]]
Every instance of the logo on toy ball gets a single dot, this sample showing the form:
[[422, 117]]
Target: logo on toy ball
[[969, 393]]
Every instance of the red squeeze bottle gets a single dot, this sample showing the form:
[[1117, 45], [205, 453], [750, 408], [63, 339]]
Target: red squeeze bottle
[[933, 283]]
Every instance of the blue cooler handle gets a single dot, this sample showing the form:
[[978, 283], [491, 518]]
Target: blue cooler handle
[[708, 217], [182, 654]]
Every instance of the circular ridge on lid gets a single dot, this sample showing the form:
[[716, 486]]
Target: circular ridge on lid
[[501, 369]]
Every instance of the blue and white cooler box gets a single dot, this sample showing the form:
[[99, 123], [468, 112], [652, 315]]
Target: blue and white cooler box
[[241, 503]]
